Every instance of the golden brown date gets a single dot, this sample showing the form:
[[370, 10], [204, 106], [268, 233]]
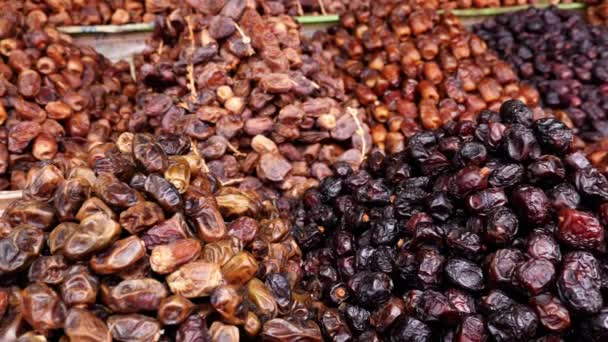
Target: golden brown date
[[119, 256], [240, 268], [82, 325], [174, 310], [166, 232], [42, 308], [48, 269], [134, 295], [195, 279], [80, 286], [134, 327], [204, 211], [21, 246], [167, 258], [95, 232], [39, 214], [141, 216]]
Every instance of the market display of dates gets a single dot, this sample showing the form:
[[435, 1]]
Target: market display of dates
[[486, 230], [564, 57], [397, 177]]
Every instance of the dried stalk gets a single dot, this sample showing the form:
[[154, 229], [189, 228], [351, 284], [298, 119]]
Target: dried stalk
[[232, 181], [132, 69], [299, 6], [235, 150], [160, 48], [190, 67], [322, 7], [246, 38], [194, 149]]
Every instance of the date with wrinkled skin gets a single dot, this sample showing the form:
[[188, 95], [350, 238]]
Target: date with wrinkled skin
[[119, 256], [240, 268], [280, 330], [244, 228], [195, 279], [48, 269], [134, 295], [202, 208], [94, 205], [95, 233], [42, 308], [80, 286], [167, 258], [69, 197], [148, 154], [141, 216], [193, 329], [166, 232], [174, 310], [224, 332], [221, 251], [41, 186], [39, 214], [265, 305], [116, 193], [134, 327], [60, 234], [22, 245], [163, 192], [227, 300], [83, 325]]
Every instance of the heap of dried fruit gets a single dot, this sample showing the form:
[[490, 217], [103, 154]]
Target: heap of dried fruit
[[412, 69], [462, 4], [143, 245], [305, 7], [56, 97], [597, 12], [563, 56], [92, 12], [261, 110], [483, 230], [299, 7]]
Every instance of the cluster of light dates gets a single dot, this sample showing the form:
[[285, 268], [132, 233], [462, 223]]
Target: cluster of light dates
[[139, 243]]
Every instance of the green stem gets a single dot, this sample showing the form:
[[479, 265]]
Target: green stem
[[83, 29], [482, 12], [318, 19]]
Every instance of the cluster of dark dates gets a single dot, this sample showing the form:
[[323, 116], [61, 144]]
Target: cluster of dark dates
[[563, 56], [138, 243], [487, 230]]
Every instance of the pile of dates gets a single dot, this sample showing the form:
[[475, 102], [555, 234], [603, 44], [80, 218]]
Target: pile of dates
[[563, 56], [482, 230], [139, 243], [306, 7], [56, 97], [597, 12], [462, 4], [261, 110], [93, 12], [411, 68]]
